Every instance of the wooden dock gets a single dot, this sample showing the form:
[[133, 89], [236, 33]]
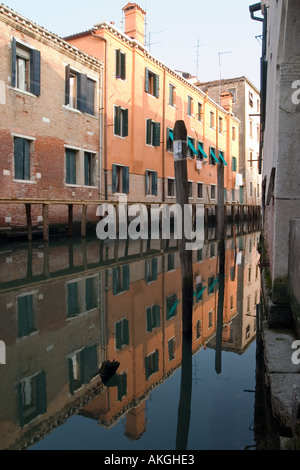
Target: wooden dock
[[234, 212]]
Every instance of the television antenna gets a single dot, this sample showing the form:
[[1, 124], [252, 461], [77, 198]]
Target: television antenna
[[150, 43], [220, 83]]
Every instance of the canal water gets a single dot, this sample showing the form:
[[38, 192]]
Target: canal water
[[68, 306]]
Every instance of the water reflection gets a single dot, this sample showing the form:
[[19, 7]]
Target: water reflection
[[68, 306]]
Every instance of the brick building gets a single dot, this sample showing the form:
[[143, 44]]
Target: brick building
[[50, 97]]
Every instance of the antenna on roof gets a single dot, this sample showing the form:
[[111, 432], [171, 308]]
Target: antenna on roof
[[220, 83], [151, 43], [198, 54]]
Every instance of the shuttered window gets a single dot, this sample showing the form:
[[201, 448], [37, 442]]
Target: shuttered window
[[120, 64], [153, 133], [26, 68], [153, 317], [121, 334], [151, 364], [121, 279], [150, 270], [151, 83], [32, 398], [79, 91], [120, 179], [151, 183], [25, 316], [120, 121], [71, 164], [22, 158], [172, 304]]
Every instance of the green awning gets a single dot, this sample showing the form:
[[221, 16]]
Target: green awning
[[222, 158], [171, 135], [202, 151], [213, 155], [192, 148]]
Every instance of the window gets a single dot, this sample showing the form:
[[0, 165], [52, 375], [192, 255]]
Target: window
[[251, 99], [213, 192], [26, 68], [150, 270], [233, 133], [233, 195], [212, 120], [258, 190], [171, 187], [233, 92], [200, 190], [212, 156], [220, 125], [191, 151], [225, 194], [152, 83], [151, 183], [190, 106], [89, 169], [210, 319], [251, 159], [120, 121], [121, 334], [200, 112], [120, 179], [170, 139], [251, 189], [80, 91], [199, 292], [120, 64], [248, 331], [231, 302], [171, 262], [258, 133], [153, 317], [200, 255], [258, 106], [212, 250], [190, 189], [32, 398], [251, 128], [172, 304], [22, 158], [152, 133], [81, 296], [71, 166], [198, 334], [151, 364], [171, 348], [121, 279], [122, 386], [26, 323], [234, 164], [201, 154], [171, 95], [249, 274], [83, 367]]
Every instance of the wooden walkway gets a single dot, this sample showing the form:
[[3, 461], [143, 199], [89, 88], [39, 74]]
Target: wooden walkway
[[234, 212]]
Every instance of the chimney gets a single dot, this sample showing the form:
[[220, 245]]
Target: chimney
[[226, 101], [135, 22]]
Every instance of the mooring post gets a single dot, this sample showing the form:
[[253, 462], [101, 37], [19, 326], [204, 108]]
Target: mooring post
[[29, 221], [70, 220], [45, 223], [221, 203], [182, 198]]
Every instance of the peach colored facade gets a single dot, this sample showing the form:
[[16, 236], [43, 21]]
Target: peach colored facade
[[150, 98]]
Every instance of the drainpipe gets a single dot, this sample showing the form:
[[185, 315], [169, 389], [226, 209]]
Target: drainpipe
[[163, 139], [105, 116], [254, 8]]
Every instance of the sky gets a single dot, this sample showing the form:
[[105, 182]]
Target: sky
[[208, 39]]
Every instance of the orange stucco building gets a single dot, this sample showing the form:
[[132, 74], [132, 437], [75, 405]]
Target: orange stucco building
[[143, 98]]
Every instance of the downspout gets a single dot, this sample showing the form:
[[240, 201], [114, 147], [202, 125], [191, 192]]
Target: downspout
[[254, 8], [105, 117], [101, 132]]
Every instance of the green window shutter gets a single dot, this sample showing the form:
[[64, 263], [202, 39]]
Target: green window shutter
[[123, 66], [70, 167], [147, 277], [156, 312], [156, 86], [117, 121], [67, 85], [126, 332], [149, 319], [88, 364], [19, 158], [114, 178], [115, 280], [147, 368], [71, 377], [81, 92], [147, 80], [156, 360], [125, 180], [90, 97], [35, 72], [118, 333], [25, 316], [118, 63], [154, 183], [156, 136], [126, 277], [148, 131], [26, 160], [41, 393], [73, 307], [13, 61], [125, 123], [147, 182], [87, 169], [154, 269]]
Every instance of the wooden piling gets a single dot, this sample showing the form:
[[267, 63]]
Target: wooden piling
[[45, 222], [29, 221], [83, 221], [182, 198], [70, 220]]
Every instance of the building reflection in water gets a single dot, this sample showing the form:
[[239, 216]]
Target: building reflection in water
[[67, 307]]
